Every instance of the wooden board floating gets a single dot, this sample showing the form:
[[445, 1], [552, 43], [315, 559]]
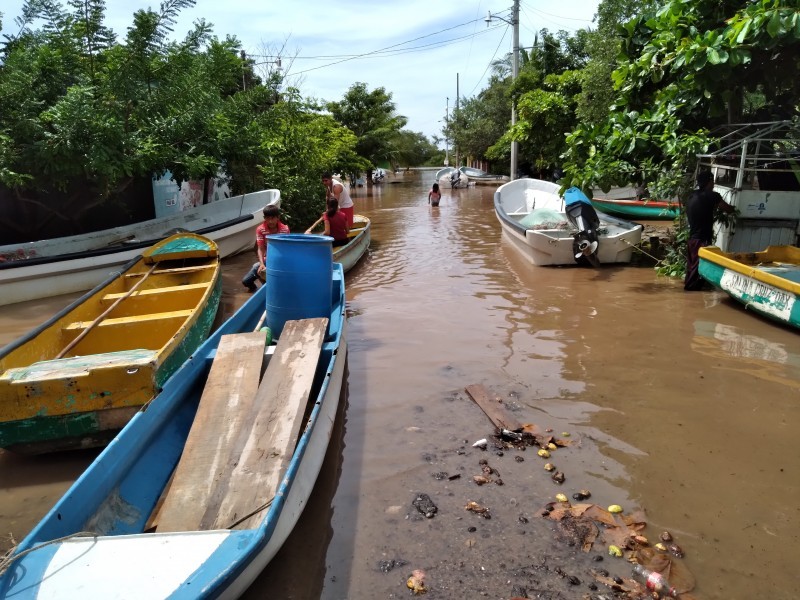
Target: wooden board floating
[[494, 407], [244, 434]]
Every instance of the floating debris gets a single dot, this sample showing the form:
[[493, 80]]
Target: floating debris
[[615, 508], [478, 509], [425, 505], [416, 582], [543, 453], [481, 444], [558, 477], [666, 536], [387, 565], [675, 550], [561, 498], [480, 479], [549, 467], [614, 551]]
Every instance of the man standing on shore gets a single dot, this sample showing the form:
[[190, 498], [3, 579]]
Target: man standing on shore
[[700, 213]]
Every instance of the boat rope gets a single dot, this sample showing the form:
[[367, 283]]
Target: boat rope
[[266, 504], [10, 557], [635, 247]]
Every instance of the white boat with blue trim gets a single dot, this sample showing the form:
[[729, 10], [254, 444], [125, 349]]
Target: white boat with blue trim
[[183, 503], [46, 268]]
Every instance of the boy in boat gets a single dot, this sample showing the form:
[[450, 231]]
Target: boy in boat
[[270, 226], [336, 223]]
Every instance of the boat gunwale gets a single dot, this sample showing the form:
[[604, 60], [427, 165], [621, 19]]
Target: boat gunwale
[[716, 255]]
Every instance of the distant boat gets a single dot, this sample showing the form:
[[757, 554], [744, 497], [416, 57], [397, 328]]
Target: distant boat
[[480, 177], [78, 378], [451, 178], [45, 268], [349, 254], [378, 175], [200, 490], [766, 282], [537, 222], [648, 210]]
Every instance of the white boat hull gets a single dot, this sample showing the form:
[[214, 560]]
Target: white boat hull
[[31, 280], [551, 247]]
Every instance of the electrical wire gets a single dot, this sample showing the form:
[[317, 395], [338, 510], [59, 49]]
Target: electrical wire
[[394, 49]]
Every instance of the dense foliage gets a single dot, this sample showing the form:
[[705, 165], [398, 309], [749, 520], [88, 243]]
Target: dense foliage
[[86, 120]]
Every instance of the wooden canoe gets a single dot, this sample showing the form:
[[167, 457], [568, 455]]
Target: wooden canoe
[[198, 492], [767, 282], [70, 264], [648, 210], [79, 377]]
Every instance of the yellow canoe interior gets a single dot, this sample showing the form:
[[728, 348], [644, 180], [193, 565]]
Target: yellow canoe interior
[[115, 364]]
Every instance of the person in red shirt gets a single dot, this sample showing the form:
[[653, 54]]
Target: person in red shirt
[[270, 226], [336, 224]]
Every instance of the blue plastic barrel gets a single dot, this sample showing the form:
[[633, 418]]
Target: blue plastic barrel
[[299, 278]]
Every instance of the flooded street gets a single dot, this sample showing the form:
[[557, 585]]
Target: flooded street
[[683, 405]]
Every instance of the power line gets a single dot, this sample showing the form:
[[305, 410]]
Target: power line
[[394, 49], [489, 64]]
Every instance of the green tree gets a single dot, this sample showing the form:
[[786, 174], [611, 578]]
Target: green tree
[[371, 116]]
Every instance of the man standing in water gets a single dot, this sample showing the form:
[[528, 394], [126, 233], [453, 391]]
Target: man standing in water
[[336, 189], [700, 213]]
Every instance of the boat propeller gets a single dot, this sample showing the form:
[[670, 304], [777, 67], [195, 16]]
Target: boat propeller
[[586, 248]]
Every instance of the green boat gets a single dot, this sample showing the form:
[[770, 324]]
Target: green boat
[[648, 210], [768, 282]]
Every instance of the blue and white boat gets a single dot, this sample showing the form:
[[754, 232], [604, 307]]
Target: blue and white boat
[[120, 531]]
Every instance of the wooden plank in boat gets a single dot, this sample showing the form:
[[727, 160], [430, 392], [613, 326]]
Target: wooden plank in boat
[[281, 402], [493, 407], [213, 446]]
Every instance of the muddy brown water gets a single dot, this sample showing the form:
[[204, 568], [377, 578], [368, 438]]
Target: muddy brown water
[[684, 405]]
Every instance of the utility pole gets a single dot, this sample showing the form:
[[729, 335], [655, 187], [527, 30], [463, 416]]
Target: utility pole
[[514, 22], [455, 142], [514, 73], [447, 134]]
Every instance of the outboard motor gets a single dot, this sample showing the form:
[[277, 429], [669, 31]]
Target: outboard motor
[[583, 217], [455, 178]]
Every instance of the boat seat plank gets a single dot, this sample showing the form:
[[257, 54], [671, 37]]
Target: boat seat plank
[[146, 318], [281, 402], [173, 270], [77, 366], [213, 446], [159, 291]]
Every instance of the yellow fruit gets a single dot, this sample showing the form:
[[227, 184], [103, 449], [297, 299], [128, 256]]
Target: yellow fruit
[[549, 467], [543, 453], [614, 551], [565, 434], [660, 546], [561, 498], [615, 508], [552, 446]]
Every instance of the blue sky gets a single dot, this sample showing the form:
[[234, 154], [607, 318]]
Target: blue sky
[[413, 49]]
